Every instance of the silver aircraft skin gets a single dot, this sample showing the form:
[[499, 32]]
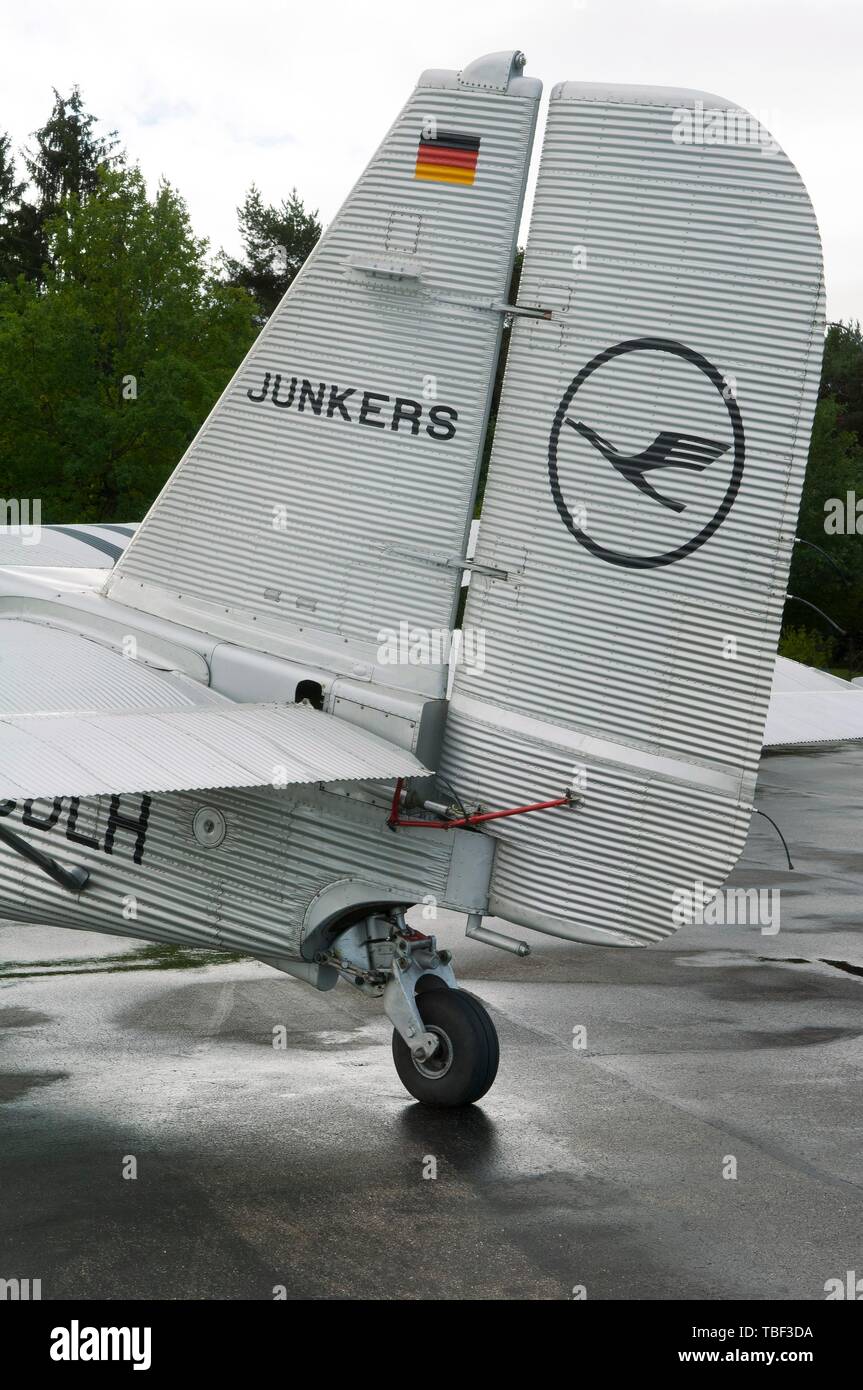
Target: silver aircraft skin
[[232, 728]]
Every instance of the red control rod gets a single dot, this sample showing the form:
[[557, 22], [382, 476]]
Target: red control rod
[[396, 822]]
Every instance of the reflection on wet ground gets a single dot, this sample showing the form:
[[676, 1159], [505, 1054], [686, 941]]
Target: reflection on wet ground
[[604, 1165]]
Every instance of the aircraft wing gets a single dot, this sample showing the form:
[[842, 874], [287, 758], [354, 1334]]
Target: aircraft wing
[[63, 547], [79, 719], [57, 755], [808, 707]]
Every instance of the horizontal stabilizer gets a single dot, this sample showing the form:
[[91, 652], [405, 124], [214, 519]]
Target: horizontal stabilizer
[[57, 755], [807, 717], [808, 706], [33, 546]]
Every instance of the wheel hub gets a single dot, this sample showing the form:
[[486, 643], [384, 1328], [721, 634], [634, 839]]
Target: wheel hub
[[441, 1060]]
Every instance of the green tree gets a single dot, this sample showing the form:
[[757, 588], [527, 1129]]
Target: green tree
[[110, 366], [69, 155], [276, 242], [835, 468], [842, 374], [65, 161], [808, 647], [10, 198], [10, 188]]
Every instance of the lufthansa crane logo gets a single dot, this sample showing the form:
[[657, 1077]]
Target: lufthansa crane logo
[[673, 490]]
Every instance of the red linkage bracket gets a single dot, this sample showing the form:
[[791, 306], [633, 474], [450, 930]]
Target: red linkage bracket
[[395, 822]]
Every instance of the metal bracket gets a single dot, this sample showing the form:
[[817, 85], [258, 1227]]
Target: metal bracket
[[387, 267], [446, 562], [477, 932], [491, 306], [396, 821], [414, 959], [462, 563], [518, 311]]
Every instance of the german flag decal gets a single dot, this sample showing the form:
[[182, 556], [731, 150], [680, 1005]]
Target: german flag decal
[[447, 157]]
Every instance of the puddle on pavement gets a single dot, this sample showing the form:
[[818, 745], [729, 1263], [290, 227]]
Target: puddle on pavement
[[22, 1018], [15, 1084], [155, 956], [844, 965], [730, 960], [799, 1037]]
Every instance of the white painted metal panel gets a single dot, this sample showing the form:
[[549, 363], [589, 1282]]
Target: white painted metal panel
[[632, 645], [57, 755], [67, 547], [798, 718], [793, 676], [294, 519], [809, 706]]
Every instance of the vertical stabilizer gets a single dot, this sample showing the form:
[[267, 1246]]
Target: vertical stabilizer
[[330, 489]]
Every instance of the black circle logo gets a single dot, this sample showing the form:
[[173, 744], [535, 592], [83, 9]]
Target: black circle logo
[[688, 453]]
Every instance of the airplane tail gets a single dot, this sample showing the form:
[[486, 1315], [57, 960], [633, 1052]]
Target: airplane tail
[[328, 494], [629, 646]]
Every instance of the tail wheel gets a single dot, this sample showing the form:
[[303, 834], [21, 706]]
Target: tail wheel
[[465, 1063]]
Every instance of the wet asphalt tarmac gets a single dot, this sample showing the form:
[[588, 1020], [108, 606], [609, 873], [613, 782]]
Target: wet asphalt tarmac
[[306, 1169]]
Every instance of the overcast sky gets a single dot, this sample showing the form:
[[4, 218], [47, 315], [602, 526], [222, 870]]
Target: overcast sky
[[214, 95]]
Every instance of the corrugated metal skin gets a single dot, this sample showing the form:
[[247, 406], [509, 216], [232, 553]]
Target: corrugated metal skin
[[354, 491], [66, 547], [250, 893], [715, 248], [183, 750], [49, 670]]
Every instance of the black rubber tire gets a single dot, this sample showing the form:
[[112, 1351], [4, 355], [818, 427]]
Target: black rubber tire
[[473, 1052]]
